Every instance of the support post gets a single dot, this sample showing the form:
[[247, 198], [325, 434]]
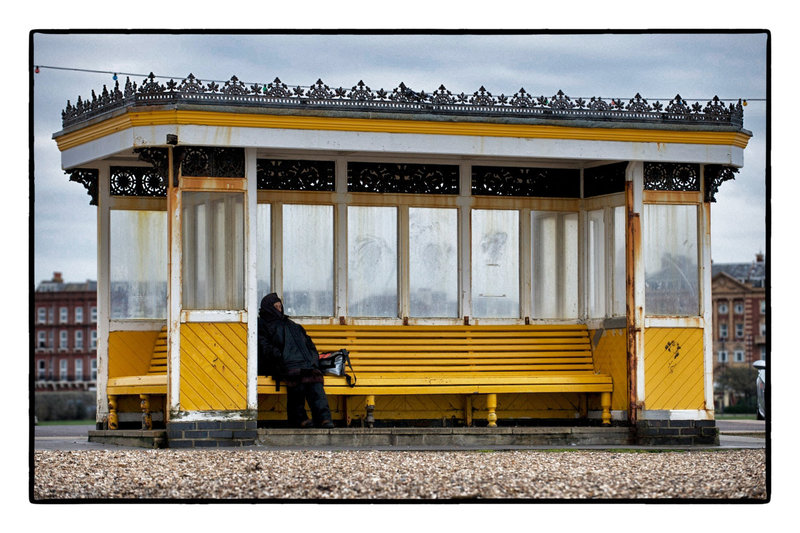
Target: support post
[[468, 410], [370, 411], [491, 406], [605, 403], [113, 419], [147, 419]]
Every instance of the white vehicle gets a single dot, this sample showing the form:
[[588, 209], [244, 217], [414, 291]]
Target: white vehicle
[[761, 411]]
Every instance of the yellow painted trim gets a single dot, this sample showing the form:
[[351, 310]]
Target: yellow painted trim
[[133, 119]]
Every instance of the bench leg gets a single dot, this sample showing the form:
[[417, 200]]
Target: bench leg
[[605, 403], [147, 419], [468, 410], [113, 419], [370, 411], [491, 406]]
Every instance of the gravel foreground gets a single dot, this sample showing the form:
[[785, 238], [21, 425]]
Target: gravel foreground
[[392, 475]]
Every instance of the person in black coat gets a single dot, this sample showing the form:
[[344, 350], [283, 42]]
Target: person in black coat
[[287, 353]]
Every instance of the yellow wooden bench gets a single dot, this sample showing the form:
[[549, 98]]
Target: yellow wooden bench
[[406, 360], [464, 360], [144, 386]]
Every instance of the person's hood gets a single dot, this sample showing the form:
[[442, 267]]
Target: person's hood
[[268, 310]]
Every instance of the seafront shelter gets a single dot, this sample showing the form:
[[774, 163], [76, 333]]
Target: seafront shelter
[[486, 259]]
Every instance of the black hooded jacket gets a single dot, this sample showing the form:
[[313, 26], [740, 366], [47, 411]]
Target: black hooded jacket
[[284, 347]]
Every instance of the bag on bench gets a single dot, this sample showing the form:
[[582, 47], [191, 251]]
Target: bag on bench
[[333, 364]]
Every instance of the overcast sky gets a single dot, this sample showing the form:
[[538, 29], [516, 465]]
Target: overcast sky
[[658, 66]]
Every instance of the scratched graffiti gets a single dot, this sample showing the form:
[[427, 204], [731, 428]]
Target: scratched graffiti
[[675, 349]]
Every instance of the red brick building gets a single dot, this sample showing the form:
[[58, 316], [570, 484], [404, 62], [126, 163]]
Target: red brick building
[[740, 312], [65, 335], [739, 318]]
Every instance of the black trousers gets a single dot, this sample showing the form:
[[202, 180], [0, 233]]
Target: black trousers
[[296, 398]]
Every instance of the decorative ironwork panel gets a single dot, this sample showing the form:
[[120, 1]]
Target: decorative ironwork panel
[[605, 179], [138, 181], [671, 177], [407, 178], [716, 175], [87, 177], [296, 175], [524, 181], [158, 157], [401, 99], [205, 162]]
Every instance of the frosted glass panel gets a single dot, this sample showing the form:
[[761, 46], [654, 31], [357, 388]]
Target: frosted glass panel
[[138, 264], [213, 250], [433, 262], [555, 265], [495, 263], [308, 260], [618, 307], [670, 262], [372, 261], [596, 273], [263, 250]]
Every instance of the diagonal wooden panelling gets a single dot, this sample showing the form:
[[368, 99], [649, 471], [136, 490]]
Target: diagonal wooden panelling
[[213, 366], [674, 368], [610, 357], [129, 352]]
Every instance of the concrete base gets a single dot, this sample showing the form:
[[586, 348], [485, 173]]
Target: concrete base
[[455, 438], [155, 438]]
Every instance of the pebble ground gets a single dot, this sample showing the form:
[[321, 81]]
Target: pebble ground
[[392, 475]]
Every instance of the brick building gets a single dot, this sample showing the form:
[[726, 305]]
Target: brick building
[[740, 312], [65, 335]]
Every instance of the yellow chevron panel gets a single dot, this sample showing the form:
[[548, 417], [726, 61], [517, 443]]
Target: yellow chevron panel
[[213, 366], [129, 352], [673, 368], [610, 357]]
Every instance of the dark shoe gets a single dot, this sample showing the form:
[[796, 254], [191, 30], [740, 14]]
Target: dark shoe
[[308, 423], [327, 424]]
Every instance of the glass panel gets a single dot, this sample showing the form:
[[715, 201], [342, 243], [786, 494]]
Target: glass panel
[[495, 263], [372, 261], [670, 262], [213, 250], [596, 275], [308, 260], [618, 305], [555, 265], [138, 264], [433, 262], [263, 250]]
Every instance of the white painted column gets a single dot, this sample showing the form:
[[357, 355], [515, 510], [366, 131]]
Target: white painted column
[[706, 301], [103, 286], [175, 290], [635, 176], [340, 239], [251, 273], [465, 241]]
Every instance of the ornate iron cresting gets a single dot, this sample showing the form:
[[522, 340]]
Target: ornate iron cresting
[[296, 175], [87, 177], [138, 181], [716, 175], [402, 178], [671, 177], [605, 179], [401, 99], [522, 181]]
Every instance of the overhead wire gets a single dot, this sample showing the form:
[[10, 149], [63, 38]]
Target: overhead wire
[[115, 73]]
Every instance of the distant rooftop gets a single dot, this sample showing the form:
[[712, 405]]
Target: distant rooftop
[[405, 100], [57, 284], [753, 273]]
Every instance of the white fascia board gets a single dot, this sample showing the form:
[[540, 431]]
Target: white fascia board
[[402, 143]]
